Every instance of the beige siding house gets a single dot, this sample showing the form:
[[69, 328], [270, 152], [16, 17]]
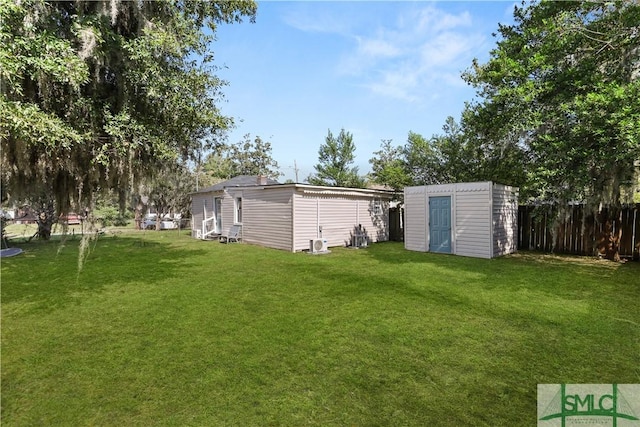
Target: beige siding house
[[476, 219], [289, 216]]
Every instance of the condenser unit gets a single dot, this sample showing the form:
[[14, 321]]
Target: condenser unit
[[359, 241], [317, 246]]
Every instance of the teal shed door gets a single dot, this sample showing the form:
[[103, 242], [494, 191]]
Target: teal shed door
[[440, 224]]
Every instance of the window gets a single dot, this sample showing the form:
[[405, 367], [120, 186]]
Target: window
[[377, 207], [238, 218]]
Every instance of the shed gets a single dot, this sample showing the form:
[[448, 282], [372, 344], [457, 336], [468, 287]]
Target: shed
[[289, 216], [476, 219]]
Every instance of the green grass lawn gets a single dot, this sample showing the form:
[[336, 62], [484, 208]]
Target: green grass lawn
[[162, 329]]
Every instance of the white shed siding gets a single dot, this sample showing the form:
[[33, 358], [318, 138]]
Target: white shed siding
[[484, 218], [415, 219], [267, 217], [505, 219], [473, 220]]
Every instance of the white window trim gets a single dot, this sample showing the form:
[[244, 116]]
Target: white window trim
[[235, 209], [377, 207]]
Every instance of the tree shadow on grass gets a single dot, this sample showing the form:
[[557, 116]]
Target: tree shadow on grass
[[48, 274], [518, 287], [530, 304], [525, 268]]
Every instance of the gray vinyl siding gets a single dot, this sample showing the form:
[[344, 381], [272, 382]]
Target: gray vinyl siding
[[505, 220], [306, 223], [473, 220], [338, 220], [339, 216], [229, 208], [206, 200], [287, 216], [197, 204], [375, 223], [267, 217], [415, 219]]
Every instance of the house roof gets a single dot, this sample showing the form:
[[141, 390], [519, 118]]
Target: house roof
[[320, 190], [252, 181], [238, 181]]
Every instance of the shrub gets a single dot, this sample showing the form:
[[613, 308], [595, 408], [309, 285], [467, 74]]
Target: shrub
[[111, 215]]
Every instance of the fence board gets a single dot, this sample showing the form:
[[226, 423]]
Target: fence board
[[396, 221], [577, 234]]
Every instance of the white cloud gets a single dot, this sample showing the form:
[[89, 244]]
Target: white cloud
[[316, 20], [434, 20], [378, 48], [448, 50], [398, 83], [453, 79], [416, 55], [414, 50]]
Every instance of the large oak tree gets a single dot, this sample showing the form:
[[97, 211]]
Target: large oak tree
[[563, 85], [97, 95]]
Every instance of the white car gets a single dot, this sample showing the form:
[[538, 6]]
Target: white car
[[165, 224]]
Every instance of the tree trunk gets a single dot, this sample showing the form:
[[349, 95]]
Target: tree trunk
[[45, 217], [160, 213], [612, 233], [4, 243], [139, 212], [44, 230]]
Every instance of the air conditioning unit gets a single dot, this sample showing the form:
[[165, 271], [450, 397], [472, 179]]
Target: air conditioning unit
[[317, 246], [359, 240]]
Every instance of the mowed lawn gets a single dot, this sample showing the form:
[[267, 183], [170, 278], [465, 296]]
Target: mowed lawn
[[162, 329]]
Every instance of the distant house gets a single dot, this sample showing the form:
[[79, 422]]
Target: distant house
[[24, 215], [476, 219], [290, 216]]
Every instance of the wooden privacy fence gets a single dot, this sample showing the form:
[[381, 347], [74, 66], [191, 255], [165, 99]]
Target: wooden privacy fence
[[578, 234], [396, 221]]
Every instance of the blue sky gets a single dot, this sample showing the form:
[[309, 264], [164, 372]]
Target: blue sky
[[376, 69]]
